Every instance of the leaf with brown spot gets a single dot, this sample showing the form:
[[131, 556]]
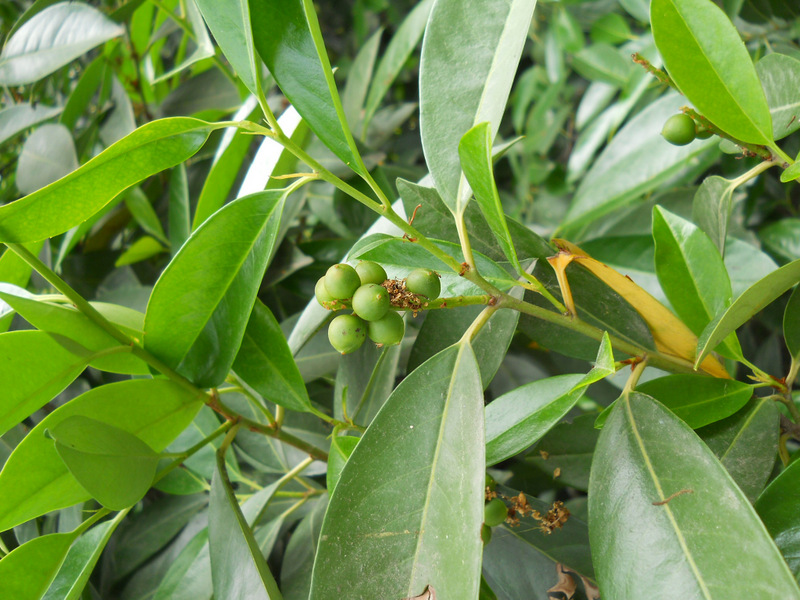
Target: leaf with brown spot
[[565, 585]]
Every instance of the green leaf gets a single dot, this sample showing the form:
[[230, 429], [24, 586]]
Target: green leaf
[[53, 38], [35, 480], [47, 155], [143, 212], [142, 249], [66, 321], [602, 62], [450, 104], [779, 514], [288, 38], [782, 238], [227, 163], [658, 528], [364, 380], [691, 273], [189, 575], [341, 448], [358, 78], [79, 563], [636, 161], [780, 78], [791, 173], [698, 400], [115, 467], [264, 362], [791, 324], [428, 484], [475, 150], [35, 366], [568, 447], [752, 300], [198, 311], [65, 203], [611, 28], [395, 56], [202, 44], [711, 208], [229, 22], [299, 557], [519, 418], [711, 66], [26, 573], [18, 117], [746, 444], [238, 569]]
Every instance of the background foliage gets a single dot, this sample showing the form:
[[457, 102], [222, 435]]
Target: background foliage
[[176, 175]]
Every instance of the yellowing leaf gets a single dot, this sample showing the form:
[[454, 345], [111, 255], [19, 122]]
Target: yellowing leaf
[[669, 333]]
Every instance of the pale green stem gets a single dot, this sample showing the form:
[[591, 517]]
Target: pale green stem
[[633, 379], [463, 237], [758, 169], [478, 323], [93, 315]]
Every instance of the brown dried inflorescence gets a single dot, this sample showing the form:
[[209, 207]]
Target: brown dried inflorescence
[[400, 297], [554, 519]]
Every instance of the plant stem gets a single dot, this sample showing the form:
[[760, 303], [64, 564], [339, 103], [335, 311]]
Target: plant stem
[[182, 456], [478, 323], [638, 369], [93, 315]]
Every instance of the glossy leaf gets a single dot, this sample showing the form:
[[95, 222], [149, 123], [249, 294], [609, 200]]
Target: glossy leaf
[[26, 573], [451, 103], [780, 517], [358, 79], [114, 466], [341, 448], [265, 363], [752, 300], [229, 22], [288, 38], [428, 483], [80, 561], [602, 62], [35, 481], [395, 56], [746, 444], [791, 173], [564, 454], [782, 238], [791, 324], [47, 155], [71, 200], [711, 66], [475, 150], [53, 38], [35, 366], [364, 380], [658, 527], [142, 249], [299, 557], [780, 77], [691, 273], [198, 311], [65, 321], [238, 569], [636, 161], [698, 401], [712, 207], [519, 418], [18, 117]]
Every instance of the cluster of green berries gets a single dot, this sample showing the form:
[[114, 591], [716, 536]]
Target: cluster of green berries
[[366, 289], [680, 130]]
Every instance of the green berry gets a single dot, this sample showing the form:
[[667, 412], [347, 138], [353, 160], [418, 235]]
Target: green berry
[[490, 482], [321, 293], [679, 130], [371, 302], [346, 333], [342, 281], [486, 534], [704, 134], [387, 331], [370, 272], [424, 283], [495, 512]]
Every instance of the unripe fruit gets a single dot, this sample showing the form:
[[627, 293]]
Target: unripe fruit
[[424, 283], [495, 512], [679, 130], [371, 302], [346, 333], [342, 281], [321, 293], [387, 331], [486, 534], [704, 134], [370, 272]]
